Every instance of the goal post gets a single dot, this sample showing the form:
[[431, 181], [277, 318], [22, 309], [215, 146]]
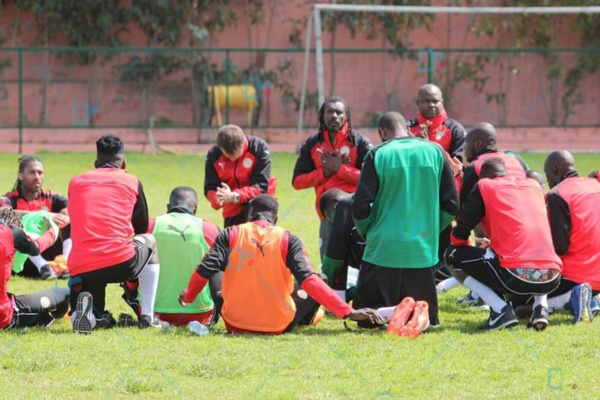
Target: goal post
[[314, 20]]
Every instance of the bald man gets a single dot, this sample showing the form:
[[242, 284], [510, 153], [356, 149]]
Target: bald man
[[405, 196], [517, 258], [574, 214]]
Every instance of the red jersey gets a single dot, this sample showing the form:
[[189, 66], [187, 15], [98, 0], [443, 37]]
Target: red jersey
[[581, 262], [516, 223], [446, 132], [308, 171], [101, 207], [46, 201]]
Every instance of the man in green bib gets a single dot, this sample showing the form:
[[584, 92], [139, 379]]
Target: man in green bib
[[182, 240]]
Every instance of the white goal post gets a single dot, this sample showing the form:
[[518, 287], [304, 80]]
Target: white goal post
[[315, 18]]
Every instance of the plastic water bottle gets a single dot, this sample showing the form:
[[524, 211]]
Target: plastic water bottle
[[198, 328]]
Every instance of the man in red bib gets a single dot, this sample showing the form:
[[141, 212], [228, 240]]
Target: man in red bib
[[517, 256], [260, 262], [573, 209]]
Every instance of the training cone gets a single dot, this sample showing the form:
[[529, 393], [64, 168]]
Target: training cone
[[418, 322], [400, 316]]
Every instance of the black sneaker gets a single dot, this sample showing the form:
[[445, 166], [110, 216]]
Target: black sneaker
[[147, 321], [539, 318], [504, 319], [131, 298], [107, 321], [46, 272], [84, 321], [125, 321]]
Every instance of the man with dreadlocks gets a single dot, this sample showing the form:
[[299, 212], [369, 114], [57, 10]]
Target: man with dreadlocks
[[331, 158], [28, 196], [109, 221], [37, 309]]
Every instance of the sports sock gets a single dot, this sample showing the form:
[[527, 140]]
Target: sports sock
[[148, 284], [38, 261], [67, 246], [540, 300], [341, 294], [449, 283], [487, 294], [474, 295], [386, 312], [559, 302]]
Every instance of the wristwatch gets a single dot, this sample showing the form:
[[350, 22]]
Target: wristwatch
[[236, 197]]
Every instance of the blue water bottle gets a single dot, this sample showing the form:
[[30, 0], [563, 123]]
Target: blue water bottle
[[198, 328]]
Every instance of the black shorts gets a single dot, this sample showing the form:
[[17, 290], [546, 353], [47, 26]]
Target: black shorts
[[95, 281], [386, 287], [484, 265], [39, 309]]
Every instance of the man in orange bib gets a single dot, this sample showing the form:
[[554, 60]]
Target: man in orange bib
[[260, 262]]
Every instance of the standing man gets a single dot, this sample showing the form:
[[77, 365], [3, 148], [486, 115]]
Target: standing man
[[109, 221], [405, 197], [238, 168], [517, 257], [331, 158], [260, 262], [182, 240], [573, 209], [28, 196], [434, 125]]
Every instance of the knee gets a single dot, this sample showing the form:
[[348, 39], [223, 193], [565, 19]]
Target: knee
[[451, 263]]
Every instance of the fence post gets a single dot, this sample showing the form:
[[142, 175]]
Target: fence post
[[20, 54], [227, 67], [430, 64]]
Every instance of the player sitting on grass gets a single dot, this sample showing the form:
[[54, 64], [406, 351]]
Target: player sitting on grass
[[517, 257], [37, 309], [260, 262]]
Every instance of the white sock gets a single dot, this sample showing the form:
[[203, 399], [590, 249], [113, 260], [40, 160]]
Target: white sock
[[386, 312], [474, 295], [38, 261], [487, 294], [148, 284], [559, 302], [341, 294], [449, 283], [67, 246], [540, 301]]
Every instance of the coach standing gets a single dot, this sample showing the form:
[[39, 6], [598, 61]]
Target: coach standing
[[406, 195], [331, 158]]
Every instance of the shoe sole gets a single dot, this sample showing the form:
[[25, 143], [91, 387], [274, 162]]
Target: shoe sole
[[418, 322], [82, 323], [400, 316], [539, 325]]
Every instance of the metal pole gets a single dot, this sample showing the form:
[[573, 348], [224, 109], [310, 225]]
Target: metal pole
[[20, 54], [319, 55], [227, 67], [458, 10], [304, 80], [430, 65]]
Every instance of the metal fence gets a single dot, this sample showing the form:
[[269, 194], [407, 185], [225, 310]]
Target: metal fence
[[58, 87]]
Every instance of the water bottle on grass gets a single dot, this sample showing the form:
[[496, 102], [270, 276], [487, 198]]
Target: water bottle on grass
[[197, 328]]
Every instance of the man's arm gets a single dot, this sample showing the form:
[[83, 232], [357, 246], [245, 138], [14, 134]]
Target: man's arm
[[139, 218], [469, 216], [457, 143], [35, 247], [306, 174], [367, 189], [559, 217], [211, 178], [470, 178], [259, 180], [214, 261], [449, 203]]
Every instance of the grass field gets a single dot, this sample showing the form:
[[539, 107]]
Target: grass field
[[325, 362]]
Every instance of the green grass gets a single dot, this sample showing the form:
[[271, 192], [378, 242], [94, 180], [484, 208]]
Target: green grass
[[324, 362]]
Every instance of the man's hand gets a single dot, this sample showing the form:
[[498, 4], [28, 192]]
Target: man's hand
[[60, 219], [50, 225], [181, 299], [482, 243], [224, 194], [366, 314], [456, 164], [331, 162], [424, 130]]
